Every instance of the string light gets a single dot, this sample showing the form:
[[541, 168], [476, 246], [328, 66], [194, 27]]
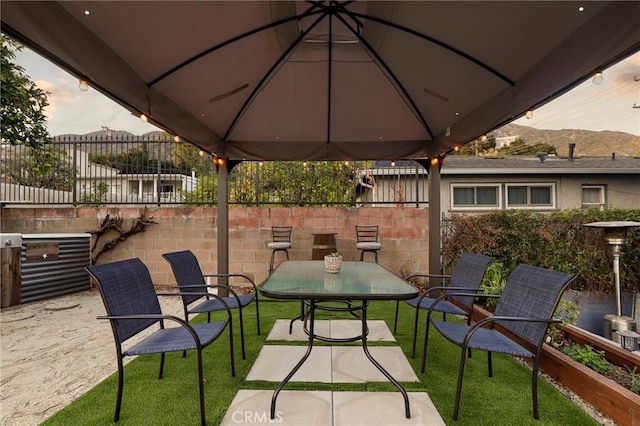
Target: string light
[[529, 114], [597, 78], [393, 163], [144, 118], [176, 138], [83, 85]]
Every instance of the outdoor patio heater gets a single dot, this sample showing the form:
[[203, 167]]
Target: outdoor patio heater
[[616, 234]]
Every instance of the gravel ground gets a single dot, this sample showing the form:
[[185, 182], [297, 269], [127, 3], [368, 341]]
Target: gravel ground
[[52, 352]]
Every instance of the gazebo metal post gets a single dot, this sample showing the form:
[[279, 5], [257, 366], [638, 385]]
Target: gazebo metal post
[[223, 223]]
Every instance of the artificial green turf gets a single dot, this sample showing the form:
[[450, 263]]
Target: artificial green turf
[[504, 399]]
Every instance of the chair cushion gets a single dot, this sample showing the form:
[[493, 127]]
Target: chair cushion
[[369, 246], [279, 245], [443, 306], [484, 338]]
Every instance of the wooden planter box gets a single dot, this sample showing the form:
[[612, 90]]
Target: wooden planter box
[[611, 399]]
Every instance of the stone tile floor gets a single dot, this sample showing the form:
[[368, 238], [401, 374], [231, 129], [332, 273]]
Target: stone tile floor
[[330, 364]]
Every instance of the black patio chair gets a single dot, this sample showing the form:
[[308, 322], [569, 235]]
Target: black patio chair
[[132, 307], [190, 279], [466, 278], [518, 327]]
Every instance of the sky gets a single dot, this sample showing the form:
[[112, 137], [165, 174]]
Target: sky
[[606, 106]]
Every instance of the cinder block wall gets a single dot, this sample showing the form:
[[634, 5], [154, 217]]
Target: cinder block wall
[[403, 234]]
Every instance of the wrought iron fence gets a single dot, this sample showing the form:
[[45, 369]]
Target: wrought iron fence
[[105, 170]]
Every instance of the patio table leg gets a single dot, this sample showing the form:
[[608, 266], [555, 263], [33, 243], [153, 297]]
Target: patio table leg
[[299, 364], [300, 317], [377, 364]]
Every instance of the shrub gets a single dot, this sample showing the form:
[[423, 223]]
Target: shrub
[[590, 357], [558, 241]]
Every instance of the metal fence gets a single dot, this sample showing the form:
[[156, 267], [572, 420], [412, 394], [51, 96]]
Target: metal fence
[[158, 170]]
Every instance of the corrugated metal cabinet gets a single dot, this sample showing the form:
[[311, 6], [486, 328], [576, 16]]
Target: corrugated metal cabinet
[[53, 265]]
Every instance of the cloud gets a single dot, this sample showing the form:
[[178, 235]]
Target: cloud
[[60, 95]]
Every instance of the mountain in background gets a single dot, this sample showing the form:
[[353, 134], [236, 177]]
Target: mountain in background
[[588, 143]]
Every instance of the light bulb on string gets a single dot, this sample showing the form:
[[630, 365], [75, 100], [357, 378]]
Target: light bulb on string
[[83, 85], [144, 118], [529, 114], [597, 78]]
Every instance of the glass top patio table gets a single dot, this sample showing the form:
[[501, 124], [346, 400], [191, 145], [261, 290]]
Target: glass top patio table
[[307, 279]]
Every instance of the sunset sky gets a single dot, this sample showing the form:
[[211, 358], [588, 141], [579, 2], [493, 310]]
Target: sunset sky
[[607, 106]]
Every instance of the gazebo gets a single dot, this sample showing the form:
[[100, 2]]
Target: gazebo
[[328, 80]]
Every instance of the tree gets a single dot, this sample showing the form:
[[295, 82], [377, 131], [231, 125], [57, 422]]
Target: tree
[[22, 103], [43, 166], [479, 146], [519, 147], [278, 182]]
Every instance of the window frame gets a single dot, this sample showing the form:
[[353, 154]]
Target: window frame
[[476, 206], [529, 206], [603, 196]]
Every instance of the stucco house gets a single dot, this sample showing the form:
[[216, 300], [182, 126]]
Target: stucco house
[[542, 183]]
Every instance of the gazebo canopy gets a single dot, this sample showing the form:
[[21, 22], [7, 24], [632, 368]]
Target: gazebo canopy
[[328, 80]]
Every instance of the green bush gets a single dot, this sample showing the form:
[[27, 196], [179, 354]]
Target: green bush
[[493, 283], [558, 241]]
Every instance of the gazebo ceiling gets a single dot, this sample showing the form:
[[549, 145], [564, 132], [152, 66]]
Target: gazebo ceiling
[[328, 80]]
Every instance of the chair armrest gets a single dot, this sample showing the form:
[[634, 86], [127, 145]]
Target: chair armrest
[[428, 290], [447, 295], [462, 290], [234, 275], [490, 320], [201, 293], [515, 319], [161, 318], [428, 276], [448, 289]]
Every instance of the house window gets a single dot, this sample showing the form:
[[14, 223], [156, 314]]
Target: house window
[[475, 197], [530, 196], [166, 188], [593, 196]]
